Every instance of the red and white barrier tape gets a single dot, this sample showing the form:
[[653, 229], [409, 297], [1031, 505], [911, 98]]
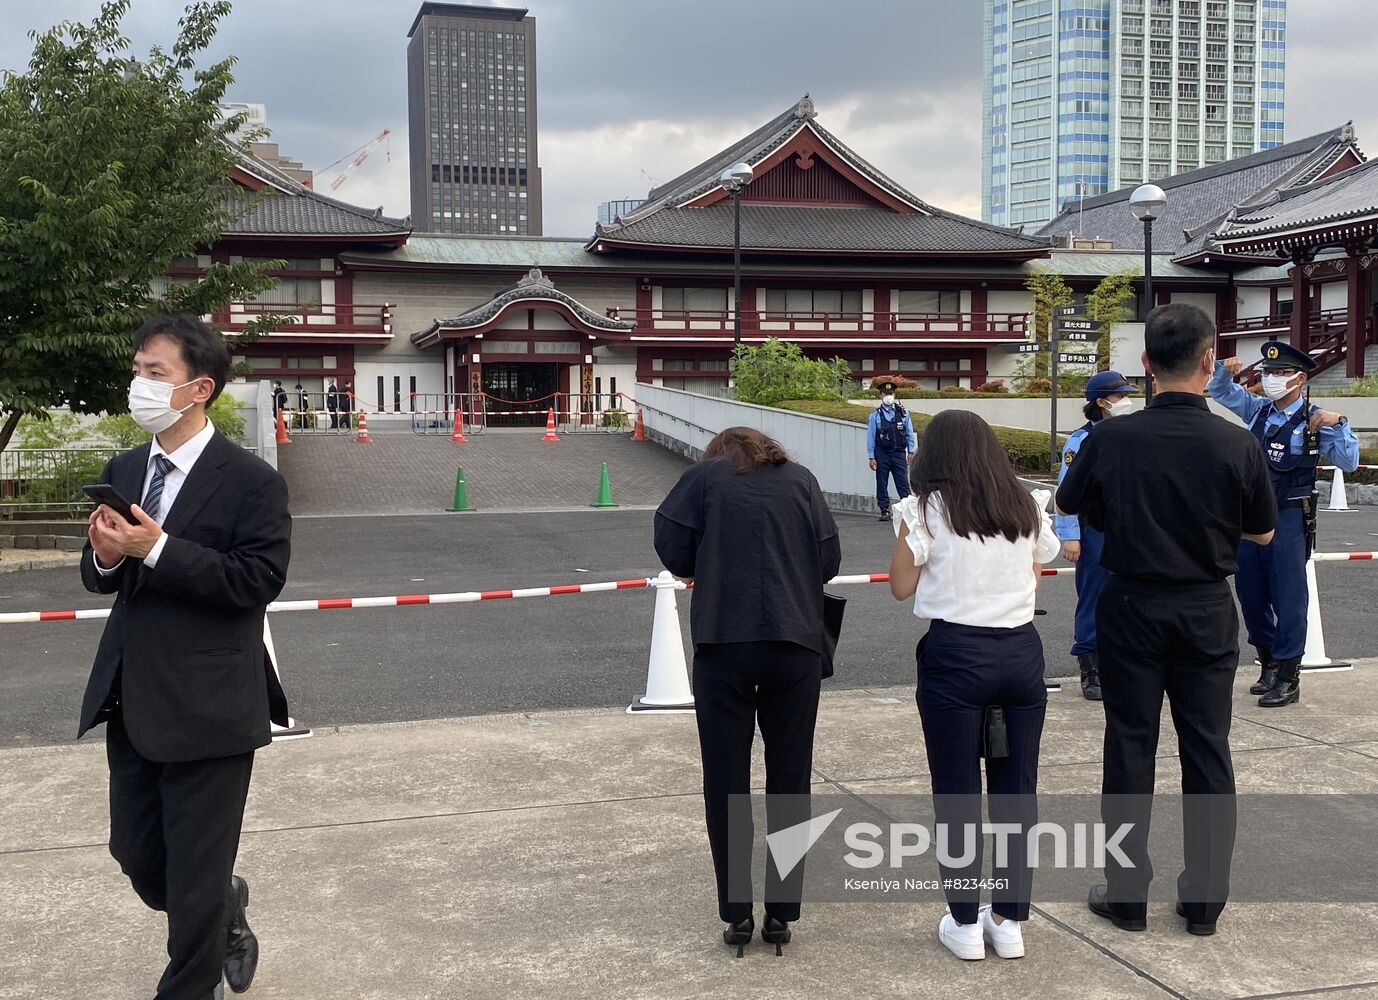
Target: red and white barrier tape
[[475, 596]]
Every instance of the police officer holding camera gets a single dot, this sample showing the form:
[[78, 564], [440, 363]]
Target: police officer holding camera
[[1295, 436]]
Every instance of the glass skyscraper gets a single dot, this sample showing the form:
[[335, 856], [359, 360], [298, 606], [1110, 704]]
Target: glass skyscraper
[[1080, 97]]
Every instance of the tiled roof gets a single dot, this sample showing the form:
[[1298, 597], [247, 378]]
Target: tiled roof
[[1352, 194], [1198, 200], [665, 221], [534, 287], [805, 227], [286, 207]]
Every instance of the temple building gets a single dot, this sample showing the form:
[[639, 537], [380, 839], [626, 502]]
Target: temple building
[[836, 256]]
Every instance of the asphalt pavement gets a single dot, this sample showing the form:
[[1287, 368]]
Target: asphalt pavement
[[586, 651]]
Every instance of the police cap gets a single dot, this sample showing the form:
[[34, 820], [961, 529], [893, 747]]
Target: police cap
[[884, 385], [1108, 383], [1277, 354]]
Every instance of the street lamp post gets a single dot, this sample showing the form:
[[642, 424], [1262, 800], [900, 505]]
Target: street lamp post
[[1147, 203], [735, 179]]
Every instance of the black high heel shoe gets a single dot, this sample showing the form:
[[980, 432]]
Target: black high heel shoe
[[775, 932], [740, 934]]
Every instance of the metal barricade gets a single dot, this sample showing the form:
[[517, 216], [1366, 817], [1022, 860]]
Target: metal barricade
[[608, 412], [310, 412], [435, 413], [48, 481]]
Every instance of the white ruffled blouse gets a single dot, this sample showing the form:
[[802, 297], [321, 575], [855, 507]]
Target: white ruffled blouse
[[987, 582]]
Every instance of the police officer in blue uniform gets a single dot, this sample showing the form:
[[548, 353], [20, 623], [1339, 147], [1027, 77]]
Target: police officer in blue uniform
[[1295, 436], [1107, 395], [890, 444]]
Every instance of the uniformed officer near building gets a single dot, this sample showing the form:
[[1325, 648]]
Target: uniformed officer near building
[[1107, 395], [1295, 435], [890, 444]]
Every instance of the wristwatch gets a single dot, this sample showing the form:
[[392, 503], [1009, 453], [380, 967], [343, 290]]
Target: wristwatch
[[1343, 421]]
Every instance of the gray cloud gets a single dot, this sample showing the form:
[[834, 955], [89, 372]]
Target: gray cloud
[[656, 85]]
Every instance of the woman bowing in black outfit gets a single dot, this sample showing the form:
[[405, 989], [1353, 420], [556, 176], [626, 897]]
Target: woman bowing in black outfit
[[751, 530]]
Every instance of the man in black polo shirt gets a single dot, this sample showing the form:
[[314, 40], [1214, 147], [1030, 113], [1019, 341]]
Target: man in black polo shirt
[[1174, 488]]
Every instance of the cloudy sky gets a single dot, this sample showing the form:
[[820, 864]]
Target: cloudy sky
[[636, 89]]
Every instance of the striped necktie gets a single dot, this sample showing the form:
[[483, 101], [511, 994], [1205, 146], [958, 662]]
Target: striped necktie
[[153, 499]]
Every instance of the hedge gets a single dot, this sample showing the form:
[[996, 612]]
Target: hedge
[[1027, 450]]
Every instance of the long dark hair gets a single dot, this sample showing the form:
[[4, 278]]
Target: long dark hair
[[746, 448], [960, 458]]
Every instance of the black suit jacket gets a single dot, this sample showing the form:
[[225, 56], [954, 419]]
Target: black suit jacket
[[185, 638]]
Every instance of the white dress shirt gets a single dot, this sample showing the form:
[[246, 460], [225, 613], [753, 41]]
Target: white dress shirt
[[986, 582], [182, 461]]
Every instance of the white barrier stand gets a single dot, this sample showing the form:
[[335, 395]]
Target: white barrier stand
[[667, 676], [293, 730], [1339, 502], [1313, 659]]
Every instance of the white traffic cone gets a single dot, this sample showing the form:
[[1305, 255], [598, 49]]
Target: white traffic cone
[[1313, 658], [667, 677], [1338, 500], [292, 731]]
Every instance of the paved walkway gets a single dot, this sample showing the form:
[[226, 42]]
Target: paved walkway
[[561, 854], [405, 473]]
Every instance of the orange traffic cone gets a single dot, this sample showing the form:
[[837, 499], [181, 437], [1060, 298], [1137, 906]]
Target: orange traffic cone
[[639, 433], [363, 437], [283, 436], [550, 434], [458, 436]]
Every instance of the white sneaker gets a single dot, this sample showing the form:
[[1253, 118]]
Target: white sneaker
[[963, 940], [1007, 938]]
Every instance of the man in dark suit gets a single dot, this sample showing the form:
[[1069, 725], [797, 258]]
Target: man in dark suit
[[181, 677], [332, 403]]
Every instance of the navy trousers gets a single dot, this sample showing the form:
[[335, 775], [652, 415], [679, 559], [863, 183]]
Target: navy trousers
[[1271, 583], [962, 670], [890, 464], [1090, 581]]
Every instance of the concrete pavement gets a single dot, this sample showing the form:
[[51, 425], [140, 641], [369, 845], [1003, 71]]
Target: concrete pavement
[[562, 854]]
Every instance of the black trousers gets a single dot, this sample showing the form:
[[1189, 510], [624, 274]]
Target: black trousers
[[734, 685], [174, 829], [962, 670], [1182, 641]]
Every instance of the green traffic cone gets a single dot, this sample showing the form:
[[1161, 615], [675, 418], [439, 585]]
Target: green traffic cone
[[461, 492], [604, 490]]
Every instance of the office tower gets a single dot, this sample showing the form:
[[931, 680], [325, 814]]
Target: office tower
[[1080, 97], [471, 112]]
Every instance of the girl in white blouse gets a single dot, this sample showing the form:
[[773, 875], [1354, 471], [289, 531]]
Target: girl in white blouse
[[968, 549]]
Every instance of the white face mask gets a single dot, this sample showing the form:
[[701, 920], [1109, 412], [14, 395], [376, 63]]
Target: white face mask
[[1275, 387], [150, 403], [1119, 407], [887, 400]]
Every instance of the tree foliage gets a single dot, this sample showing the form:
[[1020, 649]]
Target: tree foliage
[[778, 369], [112, 169], [1108, 304], [1050, 293]]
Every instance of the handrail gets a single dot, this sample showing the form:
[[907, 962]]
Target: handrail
[[1014, 324]]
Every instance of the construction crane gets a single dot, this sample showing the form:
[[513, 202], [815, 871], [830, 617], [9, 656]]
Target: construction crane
[[359, 156]]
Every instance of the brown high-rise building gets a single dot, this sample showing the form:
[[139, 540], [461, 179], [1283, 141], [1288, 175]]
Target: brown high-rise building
[[471, 98]]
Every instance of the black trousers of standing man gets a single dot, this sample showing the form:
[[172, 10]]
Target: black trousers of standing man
[[1182, 641], [736, 683], [174, 829]]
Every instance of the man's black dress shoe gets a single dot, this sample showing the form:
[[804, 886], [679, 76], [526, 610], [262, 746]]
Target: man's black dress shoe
[[1200, 930], [739, 933], [241, 956], [775, 932], [1100, 906]]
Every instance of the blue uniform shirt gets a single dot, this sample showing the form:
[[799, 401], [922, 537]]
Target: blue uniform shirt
[[1339, 445], [911, 441], [1066, 526]]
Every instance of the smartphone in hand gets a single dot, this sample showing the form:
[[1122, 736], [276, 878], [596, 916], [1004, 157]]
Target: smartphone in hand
[[112, 498]]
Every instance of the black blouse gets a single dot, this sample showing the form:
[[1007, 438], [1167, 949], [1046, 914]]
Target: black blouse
[[759, 547]]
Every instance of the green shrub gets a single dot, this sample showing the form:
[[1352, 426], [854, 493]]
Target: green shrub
[[1037, 387], [1027, 450], [778, 369], [995, 387], [121, 429], [615, 417], [954, 390]]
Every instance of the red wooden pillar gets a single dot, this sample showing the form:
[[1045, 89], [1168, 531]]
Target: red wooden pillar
[[980, 316], [881, 317], [1356, 304], [1301, 303]]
